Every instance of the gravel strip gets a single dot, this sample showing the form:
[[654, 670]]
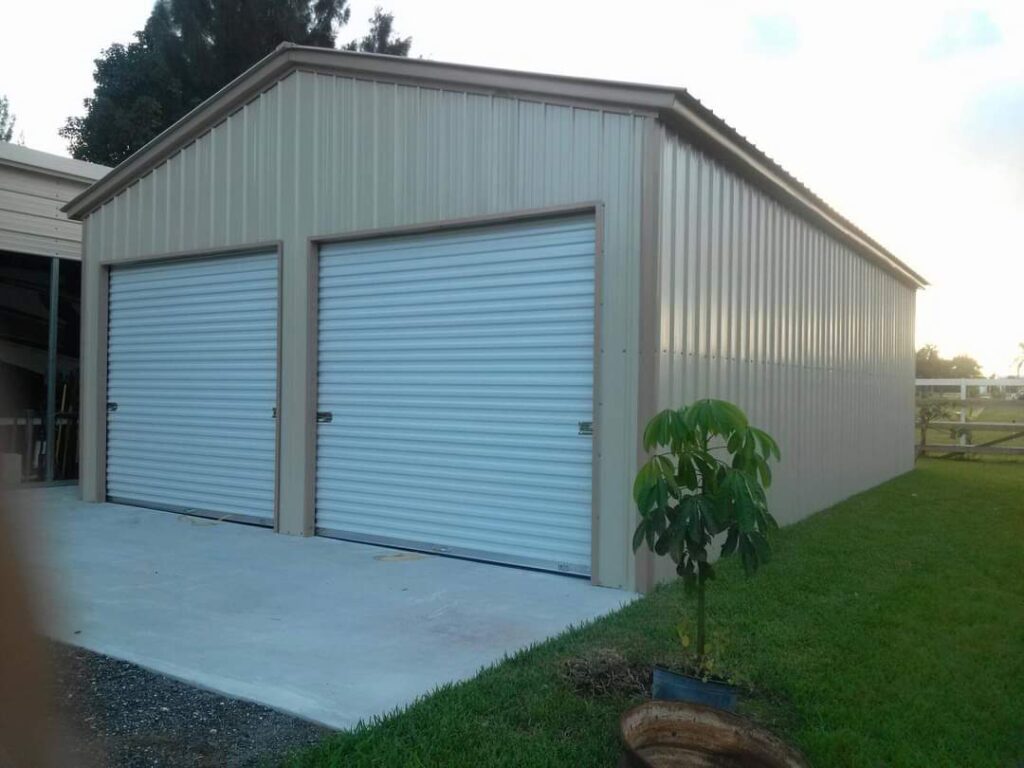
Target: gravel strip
[[113, 714]]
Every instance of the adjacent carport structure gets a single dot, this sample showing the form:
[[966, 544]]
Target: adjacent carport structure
[[40, 286], [431, 306]]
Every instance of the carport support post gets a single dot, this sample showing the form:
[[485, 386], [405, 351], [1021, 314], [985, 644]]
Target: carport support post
[[93, 361], [50, 423]]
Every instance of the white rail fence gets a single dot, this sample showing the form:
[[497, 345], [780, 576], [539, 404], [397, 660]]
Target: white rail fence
[[969, 400]]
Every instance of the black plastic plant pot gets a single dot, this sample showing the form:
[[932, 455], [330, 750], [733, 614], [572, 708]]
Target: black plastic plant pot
[[673, 686]]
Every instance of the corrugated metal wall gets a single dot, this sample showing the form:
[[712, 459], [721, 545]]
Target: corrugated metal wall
[[30, 216], [759, 307], [319, 154]]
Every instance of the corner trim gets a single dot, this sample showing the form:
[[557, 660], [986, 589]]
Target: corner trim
[[649, 307], [596, 399], [309, 428]]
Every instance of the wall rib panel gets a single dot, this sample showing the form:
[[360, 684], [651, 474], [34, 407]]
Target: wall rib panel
[[763, 308]]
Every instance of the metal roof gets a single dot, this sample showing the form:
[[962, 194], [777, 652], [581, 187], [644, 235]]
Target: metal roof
[[675, 107], [17, 156]]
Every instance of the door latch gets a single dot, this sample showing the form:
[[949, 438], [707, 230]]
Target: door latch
[[586, 428], [273, 412], [324, 417], [111, 407]]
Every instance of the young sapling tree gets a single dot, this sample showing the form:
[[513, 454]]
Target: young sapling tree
[[706, 476]]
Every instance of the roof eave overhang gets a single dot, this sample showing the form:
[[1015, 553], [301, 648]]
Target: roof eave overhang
[[224, 102], [288, 58], [52, 172], [677, 110], [695, 125]]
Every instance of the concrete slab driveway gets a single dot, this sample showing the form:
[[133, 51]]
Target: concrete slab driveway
[[332, 631]]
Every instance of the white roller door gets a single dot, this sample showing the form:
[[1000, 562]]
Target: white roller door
[[192, 385], [456, 370]]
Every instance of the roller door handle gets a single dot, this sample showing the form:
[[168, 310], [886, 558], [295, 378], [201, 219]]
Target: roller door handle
[[324, 417], [111, 407], [586, 428]]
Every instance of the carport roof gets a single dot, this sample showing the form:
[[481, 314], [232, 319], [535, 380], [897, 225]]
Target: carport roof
[[35, 161], [675, 107]]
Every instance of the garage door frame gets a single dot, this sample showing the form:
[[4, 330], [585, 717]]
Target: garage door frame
[[314, 246], [107, 265]]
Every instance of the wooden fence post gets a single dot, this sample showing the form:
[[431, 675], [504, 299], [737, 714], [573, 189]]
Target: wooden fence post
[[963, 409]]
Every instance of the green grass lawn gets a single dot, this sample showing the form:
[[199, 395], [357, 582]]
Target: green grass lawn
[[887, 631]]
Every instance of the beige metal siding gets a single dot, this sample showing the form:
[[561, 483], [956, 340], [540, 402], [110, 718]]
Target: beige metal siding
[[30, 216], [759, 307], [318, 154]]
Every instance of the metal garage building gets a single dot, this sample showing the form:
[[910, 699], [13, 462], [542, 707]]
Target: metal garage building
[[431, 305]]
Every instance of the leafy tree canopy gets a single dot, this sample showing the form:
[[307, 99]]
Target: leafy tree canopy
[[382, 37], [931, 365], [6, 120], [188, 50]]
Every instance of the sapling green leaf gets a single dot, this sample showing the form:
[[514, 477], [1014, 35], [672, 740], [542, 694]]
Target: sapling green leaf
[[711, 480], [638, 535], [729, 546]]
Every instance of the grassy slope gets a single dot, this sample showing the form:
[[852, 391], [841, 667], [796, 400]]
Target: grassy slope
[[889, 630]]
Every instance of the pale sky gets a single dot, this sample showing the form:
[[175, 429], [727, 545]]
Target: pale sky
[[906, 117]]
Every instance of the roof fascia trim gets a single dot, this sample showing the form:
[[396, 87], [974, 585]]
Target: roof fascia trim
[[44, 171], [498, 82], [669, 105], [226, 101], [693, 126], [287, 58]]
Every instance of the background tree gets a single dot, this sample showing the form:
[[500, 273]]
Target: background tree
[[7, 120], [382, 37], [187, 51], [964, 367], [929, 364], [220, 39], [141, 88]]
